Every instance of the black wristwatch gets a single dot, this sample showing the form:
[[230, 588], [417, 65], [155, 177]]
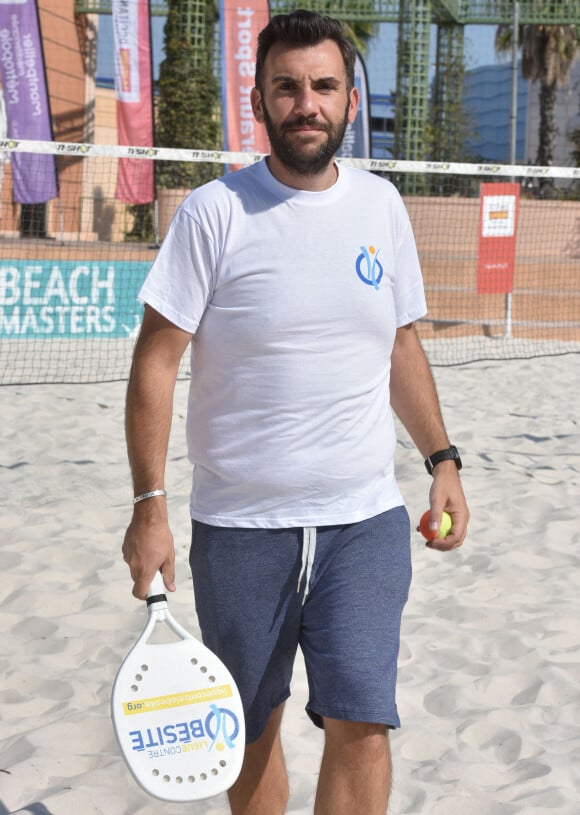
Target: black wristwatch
[[450, 454]]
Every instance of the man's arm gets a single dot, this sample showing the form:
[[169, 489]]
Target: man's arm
[[414, 399], [148, 545]]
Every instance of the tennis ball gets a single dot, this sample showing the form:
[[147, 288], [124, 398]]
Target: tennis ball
[[430, 534]]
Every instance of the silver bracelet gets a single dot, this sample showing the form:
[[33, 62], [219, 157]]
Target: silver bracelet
[[144, 496]]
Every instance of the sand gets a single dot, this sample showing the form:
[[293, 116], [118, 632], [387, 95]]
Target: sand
[[489, 685]]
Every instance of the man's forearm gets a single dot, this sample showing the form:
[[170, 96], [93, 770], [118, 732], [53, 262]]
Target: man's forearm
[[149, 405], [149, 410]]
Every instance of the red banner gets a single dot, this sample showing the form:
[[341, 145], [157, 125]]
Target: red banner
[[498, 222], [134, 89], [241, 22]]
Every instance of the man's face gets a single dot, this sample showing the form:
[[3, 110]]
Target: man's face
[[305, 105]]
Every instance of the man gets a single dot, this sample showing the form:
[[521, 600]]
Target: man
[[297, 283]]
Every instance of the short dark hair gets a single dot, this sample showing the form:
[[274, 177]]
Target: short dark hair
[[302, 28]]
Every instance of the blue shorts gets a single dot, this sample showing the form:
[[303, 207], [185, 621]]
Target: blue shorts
[[338, 592]]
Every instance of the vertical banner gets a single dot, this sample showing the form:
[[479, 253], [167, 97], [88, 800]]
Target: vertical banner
[[357, 137], [4, 154], [134, 89], [241, 22], [26, 100], [498, 221]]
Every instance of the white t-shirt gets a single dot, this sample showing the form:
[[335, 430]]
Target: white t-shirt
[[293, 298]]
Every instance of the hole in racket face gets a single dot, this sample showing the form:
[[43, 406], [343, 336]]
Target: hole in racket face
[[139, 677], [202, 668], [167, 779]]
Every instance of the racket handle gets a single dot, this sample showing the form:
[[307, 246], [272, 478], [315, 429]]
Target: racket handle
[[156, 593]]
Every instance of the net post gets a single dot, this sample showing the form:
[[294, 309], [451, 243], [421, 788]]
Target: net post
[[513, 136], [508, 316], [156, 220]]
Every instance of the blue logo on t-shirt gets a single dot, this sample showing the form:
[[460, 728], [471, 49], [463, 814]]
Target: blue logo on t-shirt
[[368, 266]]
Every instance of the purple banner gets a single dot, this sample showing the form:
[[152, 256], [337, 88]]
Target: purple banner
[[26, 99]]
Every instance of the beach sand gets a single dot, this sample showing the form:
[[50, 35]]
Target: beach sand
[[489, 684]]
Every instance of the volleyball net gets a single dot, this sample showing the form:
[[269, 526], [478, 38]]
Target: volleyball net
[[499, 247]]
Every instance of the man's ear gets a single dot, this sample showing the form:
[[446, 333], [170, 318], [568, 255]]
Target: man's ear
[[256, 100], [353, 102]]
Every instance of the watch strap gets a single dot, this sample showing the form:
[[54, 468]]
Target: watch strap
[[449, 454]]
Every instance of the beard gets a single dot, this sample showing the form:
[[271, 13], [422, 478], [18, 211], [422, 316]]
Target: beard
[[304, 161]]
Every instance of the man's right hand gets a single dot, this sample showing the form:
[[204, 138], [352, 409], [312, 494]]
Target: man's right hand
[[148, 548]]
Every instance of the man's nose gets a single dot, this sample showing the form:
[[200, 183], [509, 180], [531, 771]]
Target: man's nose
[[305, 103]]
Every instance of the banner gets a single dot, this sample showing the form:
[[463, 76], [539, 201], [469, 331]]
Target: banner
[[357, 137], [70, 298], [241, 22], [134, 89], [497, 237], [26, 100]]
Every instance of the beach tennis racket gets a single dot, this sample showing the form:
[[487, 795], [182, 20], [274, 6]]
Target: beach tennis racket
[[177, 711]]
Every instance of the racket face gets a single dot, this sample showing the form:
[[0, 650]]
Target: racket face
[[179, 720]]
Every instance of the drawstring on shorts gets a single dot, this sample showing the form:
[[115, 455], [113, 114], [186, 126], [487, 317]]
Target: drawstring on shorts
[[308, 554]]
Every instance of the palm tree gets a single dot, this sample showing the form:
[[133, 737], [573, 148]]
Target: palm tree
[[360, 34], [351, 13], [548, 52]]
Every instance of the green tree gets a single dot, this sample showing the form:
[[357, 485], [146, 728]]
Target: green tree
[[188, 113], [548, 52]]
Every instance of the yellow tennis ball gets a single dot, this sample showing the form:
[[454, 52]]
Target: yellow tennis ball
[[444, 528], [446, 524]]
